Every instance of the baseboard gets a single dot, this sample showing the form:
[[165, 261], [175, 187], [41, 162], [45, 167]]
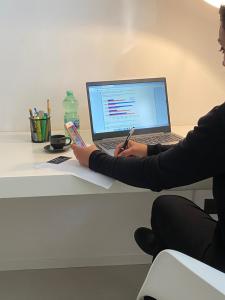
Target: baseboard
[[51, 263]]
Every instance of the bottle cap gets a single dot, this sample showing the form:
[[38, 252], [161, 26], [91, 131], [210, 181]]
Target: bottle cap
[[69, 93]]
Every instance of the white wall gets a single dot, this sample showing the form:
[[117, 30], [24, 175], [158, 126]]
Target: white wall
[[49, 46], [73, 231]]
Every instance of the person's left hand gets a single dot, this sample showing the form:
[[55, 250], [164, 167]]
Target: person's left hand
[[83, 154]]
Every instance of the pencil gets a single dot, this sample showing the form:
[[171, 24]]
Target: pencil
[[48, 107], [38, 127], [30, 111]]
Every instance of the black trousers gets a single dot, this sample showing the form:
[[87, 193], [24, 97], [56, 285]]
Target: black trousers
[[181, 225]]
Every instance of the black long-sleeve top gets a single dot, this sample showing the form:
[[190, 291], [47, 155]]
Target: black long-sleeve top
[[200, 155]]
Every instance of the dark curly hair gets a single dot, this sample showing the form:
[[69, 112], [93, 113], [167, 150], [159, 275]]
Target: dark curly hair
[[222, 15]]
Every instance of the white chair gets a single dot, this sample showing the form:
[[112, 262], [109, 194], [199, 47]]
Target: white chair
[[176, 276]]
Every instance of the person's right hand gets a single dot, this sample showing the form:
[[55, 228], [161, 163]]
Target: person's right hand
[[133, 148]]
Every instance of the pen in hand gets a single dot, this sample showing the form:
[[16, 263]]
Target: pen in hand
[[127, 140]]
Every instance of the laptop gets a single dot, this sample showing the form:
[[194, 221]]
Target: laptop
[[117, 106]]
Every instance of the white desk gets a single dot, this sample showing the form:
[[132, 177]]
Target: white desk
[[19, 178], [49, 220]]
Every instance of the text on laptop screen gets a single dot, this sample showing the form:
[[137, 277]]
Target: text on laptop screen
[[118, 107]]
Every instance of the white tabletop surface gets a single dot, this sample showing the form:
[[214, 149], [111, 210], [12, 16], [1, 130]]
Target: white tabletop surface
[[20, 178]]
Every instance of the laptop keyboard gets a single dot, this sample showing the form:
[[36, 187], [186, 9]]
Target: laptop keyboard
[[144, 139]]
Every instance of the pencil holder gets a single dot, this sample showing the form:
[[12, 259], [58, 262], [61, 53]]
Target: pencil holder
[[40, 129]]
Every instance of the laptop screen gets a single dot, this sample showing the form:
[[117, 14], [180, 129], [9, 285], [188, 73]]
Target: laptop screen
[[117, 106]]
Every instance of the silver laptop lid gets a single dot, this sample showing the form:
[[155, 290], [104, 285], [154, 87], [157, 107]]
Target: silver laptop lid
[[116, 106]]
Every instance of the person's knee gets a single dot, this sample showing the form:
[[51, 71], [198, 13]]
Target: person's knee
[[157, 208], [161, 204], [165, 207], [168, 202]]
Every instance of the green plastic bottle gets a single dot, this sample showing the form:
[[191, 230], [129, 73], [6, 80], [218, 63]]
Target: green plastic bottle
[[70, 105]]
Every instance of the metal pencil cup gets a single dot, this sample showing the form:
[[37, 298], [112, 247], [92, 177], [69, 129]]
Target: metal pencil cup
[[40, 129]]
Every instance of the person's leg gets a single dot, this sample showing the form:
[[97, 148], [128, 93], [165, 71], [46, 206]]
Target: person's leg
[[215, 254], [179, 224]]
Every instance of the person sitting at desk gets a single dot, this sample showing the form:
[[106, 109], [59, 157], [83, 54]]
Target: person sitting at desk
[[177, 223]]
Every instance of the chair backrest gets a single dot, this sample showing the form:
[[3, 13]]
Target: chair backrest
[[176, 276]]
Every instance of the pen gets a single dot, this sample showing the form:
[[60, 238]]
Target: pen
[[36, 112], [43, 123], [127, 140], [47, 127]]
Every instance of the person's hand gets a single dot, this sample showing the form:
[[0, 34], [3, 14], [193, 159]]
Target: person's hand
[[133, 148], [83, 154]]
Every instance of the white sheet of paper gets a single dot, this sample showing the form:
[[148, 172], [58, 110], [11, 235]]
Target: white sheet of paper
[[73, 167]]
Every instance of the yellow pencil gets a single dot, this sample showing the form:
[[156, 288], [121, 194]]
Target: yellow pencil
[[48, 107], [38, 127], [30, 111]]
